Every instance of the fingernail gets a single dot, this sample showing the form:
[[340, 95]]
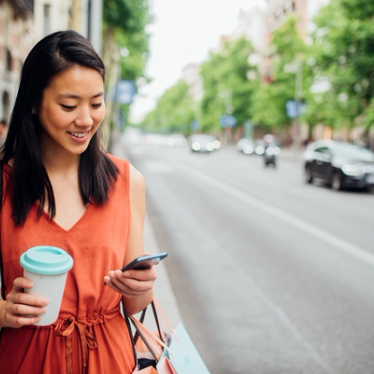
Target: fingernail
[[45, 300]]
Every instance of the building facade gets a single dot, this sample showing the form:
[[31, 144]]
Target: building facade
[[25, 22], [16, 39]]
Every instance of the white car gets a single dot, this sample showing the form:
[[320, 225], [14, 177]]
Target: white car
[[247, 146], [204, 143]]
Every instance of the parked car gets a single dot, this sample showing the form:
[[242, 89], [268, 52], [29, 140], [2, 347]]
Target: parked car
[[340, 164], [204, 143], [247, 146]]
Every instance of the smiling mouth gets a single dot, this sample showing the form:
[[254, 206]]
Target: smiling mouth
[[78, 134]]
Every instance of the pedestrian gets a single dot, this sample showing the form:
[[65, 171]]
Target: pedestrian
[[60, 188], [3, 131]]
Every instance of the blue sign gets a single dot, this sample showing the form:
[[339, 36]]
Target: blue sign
[[125, 91], [194, 125], [227, 120], [295, 108]]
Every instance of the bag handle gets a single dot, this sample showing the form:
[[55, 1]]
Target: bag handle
[[156, 306], [155, 316], [152, 342]]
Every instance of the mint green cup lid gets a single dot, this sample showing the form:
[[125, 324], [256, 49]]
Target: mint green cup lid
[[47, 260]]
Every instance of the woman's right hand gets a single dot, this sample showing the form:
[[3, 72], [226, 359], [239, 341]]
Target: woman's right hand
[[20, 308]]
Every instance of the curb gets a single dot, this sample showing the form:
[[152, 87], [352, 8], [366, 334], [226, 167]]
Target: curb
[[162, 287]]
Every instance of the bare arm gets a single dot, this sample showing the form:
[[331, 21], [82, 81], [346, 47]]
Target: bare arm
[[136, 286]]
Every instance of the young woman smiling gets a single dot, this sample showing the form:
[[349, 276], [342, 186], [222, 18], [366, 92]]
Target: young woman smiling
[[60, 188]]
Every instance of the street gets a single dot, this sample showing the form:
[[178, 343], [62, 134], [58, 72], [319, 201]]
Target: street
[[271, 275]]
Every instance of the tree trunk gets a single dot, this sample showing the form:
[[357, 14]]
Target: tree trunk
[[111, 60]]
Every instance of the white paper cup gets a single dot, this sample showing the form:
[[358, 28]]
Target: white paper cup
[[47, 267]]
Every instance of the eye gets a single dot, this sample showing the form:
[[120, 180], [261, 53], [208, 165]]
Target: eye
[[68, 107], [98, 105]]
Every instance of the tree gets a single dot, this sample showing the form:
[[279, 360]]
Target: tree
[[288, 63], [345, 58], [229, 82], [174, 111], [125, 46]]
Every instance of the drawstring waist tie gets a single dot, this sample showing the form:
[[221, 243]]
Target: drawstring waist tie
[[66, 327]]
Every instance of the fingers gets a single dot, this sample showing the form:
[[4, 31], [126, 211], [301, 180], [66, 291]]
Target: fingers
[[131, 282], [22, 308], [21, 283]]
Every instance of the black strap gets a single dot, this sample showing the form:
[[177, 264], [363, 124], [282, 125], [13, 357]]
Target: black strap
[[134, 338], [145, 341], [157, 320], [131, 336]]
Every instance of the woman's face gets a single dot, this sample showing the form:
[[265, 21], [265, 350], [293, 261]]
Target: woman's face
[[71, 110]]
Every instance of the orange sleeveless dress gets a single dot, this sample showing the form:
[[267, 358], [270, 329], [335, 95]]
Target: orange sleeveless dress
[[90, 336]]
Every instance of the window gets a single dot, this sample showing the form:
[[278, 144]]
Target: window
[[6, 105], [89, 16], [8, 60], [323, 149], [46, 19]]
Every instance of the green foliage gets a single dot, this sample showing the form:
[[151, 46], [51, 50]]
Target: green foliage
[[130, 16], [227, 88], [125, 22], [340, 54], [344, 50], [288, 60], [174, 111], [125, 36]]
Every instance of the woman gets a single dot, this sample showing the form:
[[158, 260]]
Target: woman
[[61, 189]]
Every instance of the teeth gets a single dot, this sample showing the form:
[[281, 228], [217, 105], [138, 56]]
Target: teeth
[[78, 134]]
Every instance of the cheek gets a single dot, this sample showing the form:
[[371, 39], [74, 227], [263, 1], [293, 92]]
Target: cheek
[[52, 120], [99, 115]]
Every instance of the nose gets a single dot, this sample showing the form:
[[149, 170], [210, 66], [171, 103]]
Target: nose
[[84, 117]]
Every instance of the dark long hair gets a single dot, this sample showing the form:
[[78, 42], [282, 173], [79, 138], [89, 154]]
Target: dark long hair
[[30, 181]]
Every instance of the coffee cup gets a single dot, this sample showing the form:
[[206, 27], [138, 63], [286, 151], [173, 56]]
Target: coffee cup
[[47, 267]]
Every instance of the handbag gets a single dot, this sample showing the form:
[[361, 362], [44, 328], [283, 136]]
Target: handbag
[[169, 352], [148, 346]]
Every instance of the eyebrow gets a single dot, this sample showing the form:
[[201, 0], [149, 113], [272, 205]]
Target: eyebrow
[[72, 96]]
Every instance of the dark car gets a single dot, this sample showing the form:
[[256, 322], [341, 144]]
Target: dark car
[[339, 164]]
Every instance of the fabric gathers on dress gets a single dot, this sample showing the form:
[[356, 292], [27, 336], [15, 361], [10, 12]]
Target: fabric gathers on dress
[[90, 335], [65, 328]]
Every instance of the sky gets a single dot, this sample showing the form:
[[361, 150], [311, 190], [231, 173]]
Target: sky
[[183, 32]]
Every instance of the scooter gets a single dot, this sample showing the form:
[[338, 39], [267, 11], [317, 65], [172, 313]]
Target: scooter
[[270, 155]]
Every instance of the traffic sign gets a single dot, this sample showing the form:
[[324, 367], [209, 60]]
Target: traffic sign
[[227, 120], [125, 91], [295, 108]]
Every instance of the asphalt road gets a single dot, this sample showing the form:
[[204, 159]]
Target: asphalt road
[[270, 275]]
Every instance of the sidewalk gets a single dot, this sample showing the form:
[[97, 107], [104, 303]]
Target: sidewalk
[[162, 288]]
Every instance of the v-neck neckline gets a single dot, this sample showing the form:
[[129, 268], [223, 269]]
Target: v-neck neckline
[[47, 217], [55, 223]]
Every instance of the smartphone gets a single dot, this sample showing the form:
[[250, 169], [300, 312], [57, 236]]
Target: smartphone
[[145, 261]]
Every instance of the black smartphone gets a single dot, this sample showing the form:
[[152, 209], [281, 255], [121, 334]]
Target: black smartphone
[[145, 261]]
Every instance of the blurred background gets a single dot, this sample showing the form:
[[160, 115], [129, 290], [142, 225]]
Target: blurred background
[[252, 122]]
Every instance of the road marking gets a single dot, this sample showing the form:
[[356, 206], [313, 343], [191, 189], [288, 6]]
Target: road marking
[[341, 244]]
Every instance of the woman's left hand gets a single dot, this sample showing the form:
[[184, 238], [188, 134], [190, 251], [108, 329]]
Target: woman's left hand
[[131, 283]]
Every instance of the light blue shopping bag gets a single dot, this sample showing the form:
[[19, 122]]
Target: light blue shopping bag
[[183, 354]]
